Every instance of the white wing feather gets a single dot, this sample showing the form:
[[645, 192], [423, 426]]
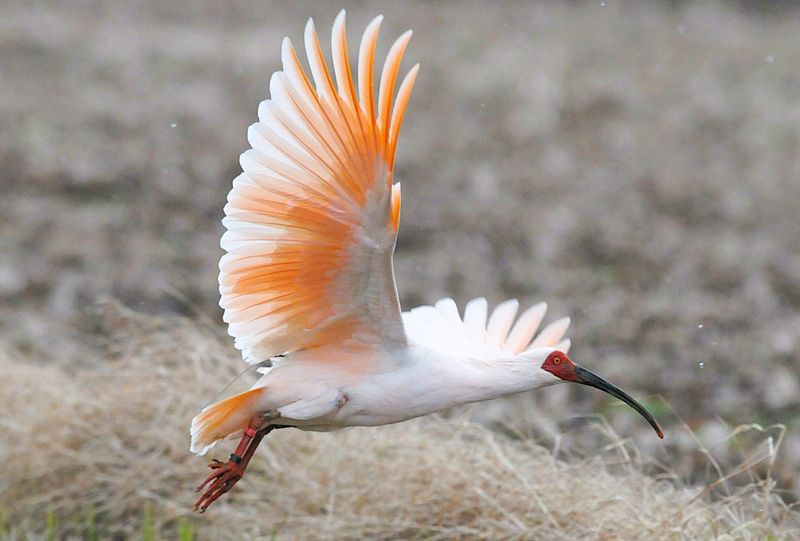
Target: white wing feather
[[441, 329]]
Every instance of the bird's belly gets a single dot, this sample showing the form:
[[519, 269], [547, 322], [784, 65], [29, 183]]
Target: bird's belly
[[377, 401]]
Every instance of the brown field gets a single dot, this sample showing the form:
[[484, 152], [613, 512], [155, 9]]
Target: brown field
[[635, 164]]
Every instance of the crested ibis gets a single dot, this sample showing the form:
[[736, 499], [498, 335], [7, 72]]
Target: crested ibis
[[307, 283]]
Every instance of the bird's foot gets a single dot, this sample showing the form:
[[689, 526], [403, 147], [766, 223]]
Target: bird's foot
[[225, 475]]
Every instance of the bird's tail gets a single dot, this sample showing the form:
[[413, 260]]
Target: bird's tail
[[222, 419]]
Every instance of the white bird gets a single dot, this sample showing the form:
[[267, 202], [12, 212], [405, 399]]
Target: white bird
[[307, 283]]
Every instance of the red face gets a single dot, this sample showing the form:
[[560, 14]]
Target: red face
[[558, 364]]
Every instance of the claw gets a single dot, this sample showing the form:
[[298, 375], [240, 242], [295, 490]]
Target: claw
[[225, 476], [208, 480], [214, 465]]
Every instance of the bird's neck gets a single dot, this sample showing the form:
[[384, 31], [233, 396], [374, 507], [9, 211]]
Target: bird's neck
[[474, 380]]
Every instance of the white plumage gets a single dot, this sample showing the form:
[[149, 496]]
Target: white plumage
[[307, 278]]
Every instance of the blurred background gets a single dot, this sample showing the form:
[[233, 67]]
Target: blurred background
[[635, 164]]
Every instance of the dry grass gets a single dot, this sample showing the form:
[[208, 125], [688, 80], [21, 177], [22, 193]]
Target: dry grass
[[112, 435]]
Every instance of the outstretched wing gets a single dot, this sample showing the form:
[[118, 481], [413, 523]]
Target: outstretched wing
[[480, 335], [312, 220]]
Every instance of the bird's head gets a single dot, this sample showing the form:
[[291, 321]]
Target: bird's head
[[558, 364]]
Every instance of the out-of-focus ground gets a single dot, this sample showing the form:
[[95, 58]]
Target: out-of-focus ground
[[637, 165]]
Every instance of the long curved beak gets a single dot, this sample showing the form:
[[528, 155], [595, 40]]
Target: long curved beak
[[585, 377]]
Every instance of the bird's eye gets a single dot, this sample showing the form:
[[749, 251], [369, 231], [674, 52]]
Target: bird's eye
[[557, 360]]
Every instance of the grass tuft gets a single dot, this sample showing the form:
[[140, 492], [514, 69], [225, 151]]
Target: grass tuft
[[148, 529], [90, 533], [51, 526], [185, 530]]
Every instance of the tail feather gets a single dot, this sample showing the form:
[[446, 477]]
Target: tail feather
[[219, 420]]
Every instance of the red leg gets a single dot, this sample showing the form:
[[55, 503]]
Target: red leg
[[228, 473]]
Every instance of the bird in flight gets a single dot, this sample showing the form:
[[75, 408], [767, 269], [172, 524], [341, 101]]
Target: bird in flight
[[307, 283]]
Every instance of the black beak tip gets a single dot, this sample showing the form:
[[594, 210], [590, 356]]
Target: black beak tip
[[585, 377]]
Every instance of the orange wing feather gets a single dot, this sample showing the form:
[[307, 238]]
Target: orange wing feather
[[312, 220]]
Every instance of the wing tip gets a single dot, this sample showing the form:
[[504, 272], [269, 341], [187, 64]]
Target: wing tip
[[301, 95], [507, 303], [286, 48], [565, 321]]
